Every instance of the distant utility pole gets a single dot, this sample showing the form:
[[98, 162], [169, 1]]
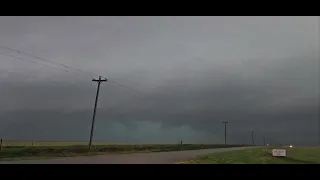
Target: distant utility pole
[[252, 136], [99, 81], [264, 141], [225, 132], [1, 144], [319, 132]]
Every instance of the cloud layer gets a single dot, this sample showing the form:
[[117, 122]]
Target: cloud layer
[[257, 73]]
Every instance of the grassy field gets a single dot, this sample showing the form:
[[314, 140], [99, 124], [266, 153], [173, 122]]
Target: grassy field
[[295, 155], [11, 143], [16, 150]]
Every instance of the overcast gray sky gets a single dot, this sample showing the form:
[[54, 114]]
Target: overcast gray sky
[[258, 73]]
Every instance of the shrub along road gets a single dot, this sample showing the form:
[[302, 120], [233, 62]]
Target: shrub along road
[[136, 158]]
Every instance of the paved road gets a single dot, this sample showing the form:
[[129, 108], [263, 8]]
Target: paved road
[[138, 158]]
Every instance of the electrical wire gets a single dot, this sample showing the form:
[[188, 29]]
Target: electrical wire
[[125, 87], [34, 77], [55, 63], [36, 57], [9, 55]]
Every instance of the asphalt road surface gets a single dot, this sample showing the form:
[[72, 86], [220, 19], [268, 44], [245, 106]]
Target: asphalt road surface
[[137, 158]]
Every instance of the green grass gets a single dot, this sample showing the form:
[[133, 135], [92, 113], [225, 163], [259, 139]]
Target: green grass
[[17, 150], [295, 155]]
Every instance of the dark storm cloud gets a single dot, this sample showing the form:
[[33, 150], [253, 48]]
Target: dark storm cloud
[[258, 73]]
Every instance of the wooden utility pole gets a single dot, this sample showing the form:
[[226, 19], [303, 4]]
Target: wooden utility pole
[[1, 144], [252, 136], [225, 132], [99, 81], [264, 141]]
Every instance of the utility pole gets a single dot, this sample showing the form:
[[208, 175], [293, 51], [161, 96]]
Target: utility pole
[[225, 132], [99, 81], [264, 141], [1, 145], [319, 132], [252, 136]]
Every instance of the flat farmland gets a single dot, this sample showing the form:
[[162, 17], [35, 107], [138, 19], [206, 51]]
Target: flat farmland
[[10, 143], [18, 150]]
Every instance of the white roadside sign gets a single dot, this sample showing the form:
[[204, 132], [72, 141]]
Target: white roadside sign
[[279, 152]]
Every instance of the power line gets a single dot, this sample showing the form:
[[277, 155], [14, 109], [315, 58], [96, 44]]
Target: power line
[[125, 87], [45, 60], [55, 63], [128, 88], [39, 58], [28, 76], [34, 62]]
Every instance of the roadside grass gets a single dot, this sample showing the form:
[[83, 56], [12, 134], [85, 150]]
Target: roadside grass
[[20, 150], [295, 155]]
